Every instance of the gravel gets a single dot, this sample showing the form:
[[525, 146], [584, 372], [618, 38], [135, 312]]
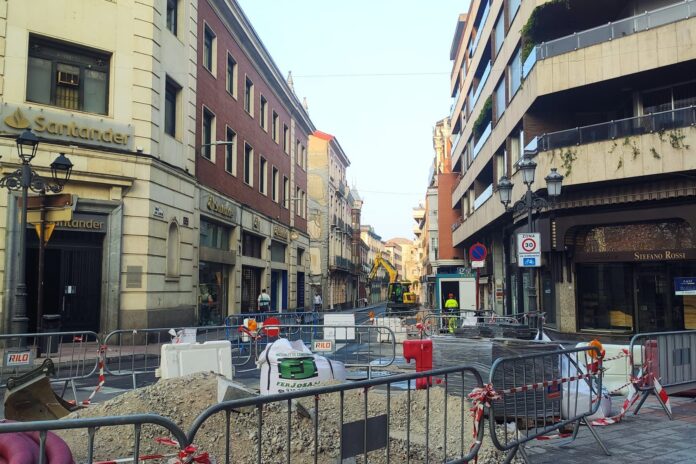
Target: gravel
[[183, 399]]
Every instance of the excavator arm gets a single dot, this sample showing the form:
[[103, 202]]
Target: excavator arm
[[380, 261]]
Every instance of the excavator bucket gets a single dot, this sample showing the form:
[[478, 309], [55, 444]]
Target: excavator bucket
[[29, 397]]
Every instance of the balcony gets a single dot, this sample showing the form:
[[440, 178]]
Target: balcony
[[479, 29], [620, 129], [611, 31], [483, 197], [341, 263], [482, 83], [482, 140]]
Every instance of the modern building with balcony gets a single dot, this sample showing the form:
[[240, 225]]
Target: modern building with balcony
[[378, 287], [603, 91], [330, 219]]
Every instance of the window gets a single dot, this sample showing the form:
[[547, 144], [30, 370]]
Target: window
[[173, 247], [249, 96], [277, 252], [515, 69], [500, 102], [275, 128], [263, 176], [605, 296], [263, 113], [274, 185], [303, 204], [208, 134], [499, 33], [251, 245], [303, 152], [248, 164], [300, 257], [68, 77], [209, 49], [231, 152], [172, 15], [286, 192], [286, 139], [215, 235], [231, 82], [513, 6], [171, 95]]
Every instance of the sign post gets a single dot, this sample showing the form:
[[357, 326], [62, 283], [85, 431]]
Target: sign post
[[529, 249], [477, 255]]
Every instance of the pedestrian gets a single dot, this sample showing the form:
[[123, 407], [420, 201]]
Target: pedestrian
[[264, 301], [317, 302], [451, 305]]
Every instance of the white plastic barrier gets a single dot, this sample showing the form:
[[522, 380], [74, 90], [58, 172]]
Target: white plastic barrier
[[396, 325], [617, 371], [182, 359]]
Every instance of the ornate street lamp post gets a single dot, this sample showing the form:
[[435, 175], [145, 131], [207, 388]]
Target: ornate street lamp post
[[529, 203], [23, 179]]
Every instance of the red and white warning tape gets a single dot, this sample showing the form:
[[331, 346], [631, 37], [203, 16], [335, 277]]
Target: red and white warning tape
[[547, 383], [102, 377], [185, 456]]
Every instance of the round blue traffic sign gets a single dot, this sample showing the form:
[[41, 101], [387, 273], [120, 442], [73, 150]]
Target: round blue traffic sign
[[478, 252]]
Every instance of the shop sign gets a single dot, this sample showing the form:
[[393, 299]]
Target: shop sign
[[19, 358], [322, 346], [67, 127], [529, 249], [280, 232], [685, 285], [667, 255], [84, 222], [220, 207]]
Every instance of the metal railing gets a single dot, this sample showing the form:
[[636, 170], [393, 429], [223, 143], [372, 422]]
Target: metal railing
[[92, 426], [629, 127], [669, 358], [541, 393], [365, 425], [444, 322], [479, 29], [611, 31], [75, 355], [479, 87]]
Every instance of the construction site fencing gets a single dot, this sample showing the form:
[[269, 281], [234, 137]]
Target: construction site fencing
[[448, 322], [363, 427], [92, 425], [133, 352], [663, 361], [75, 355], [537, 394]]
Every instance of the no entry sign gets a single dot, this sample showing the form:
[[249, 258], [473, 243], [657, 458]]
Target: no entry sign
[[478, 252]]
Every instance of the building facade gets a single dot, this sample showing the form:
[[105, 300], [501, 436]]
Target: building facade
[[604, 93], [251, 164], [394, 254], [330, 206], [378, 286], [93, 89]]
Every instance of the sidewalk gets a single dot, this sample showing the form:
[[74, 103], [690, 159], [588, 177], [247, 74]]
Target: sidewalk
[[649, 437]]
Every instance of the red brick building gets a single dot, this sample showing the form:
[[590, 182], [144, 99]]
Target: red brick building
[[251, 167]]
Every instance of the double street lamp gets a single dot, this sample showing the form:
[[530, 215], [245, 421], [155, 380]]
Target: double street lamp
[[23, 179], [530, 203]]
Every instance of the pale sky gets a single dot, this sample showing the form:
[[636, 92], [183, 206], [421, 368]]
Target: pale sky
[[376, 75]]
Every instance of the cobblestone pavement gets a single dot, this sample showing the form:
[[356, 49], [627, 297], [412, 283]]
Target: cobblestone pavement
[[649, 437]]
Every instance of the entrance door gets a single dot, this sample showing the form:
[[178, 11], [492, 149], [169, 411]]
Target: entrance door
[[275, 290], [653, 299], [251, 288], [300, 290]]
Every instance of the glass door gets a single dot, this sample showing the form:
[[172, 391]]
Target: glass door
[[654, 310]]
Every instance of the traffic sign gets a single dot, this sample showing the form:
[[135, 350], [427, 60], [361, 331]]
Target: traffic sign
[[478, 264], [529, 249], [478, 252]]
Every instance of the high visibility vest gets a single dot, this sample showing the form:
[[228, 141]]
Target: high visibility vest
[[451, 304]]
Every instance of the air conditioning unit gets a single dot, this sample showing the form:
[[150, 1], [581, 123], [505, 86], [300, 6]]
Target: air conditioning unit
[[66, 78]]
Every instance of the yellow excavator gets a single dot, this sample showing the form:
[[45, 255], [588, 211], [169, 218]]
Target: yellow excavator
[[399, 295]]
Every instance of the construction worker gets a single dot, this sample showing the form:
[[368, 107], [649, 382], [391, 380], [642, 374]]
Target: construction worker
[[451, 304], [264, 301]]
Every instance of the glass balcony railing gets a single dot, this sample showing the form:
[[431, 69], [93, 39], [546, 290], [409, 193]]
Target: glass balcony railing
[[483, 197], [618, 129], [614, 30], [482, 83], [482, 140], [479, 29]]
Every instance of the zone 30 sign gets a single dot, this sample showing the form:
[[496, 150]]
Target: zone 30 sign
[[529, 250]]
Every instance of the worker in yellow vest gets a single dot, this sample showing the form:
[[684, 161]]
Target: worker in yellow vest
[[451, 307]]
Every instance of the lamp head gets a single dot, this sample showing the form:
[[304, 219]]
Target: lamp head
[[27, 144]]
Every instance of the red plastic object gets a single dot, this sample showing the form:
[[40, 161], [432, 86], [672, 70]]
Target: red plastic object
[[271, 326], [422, 352], [651, 362]]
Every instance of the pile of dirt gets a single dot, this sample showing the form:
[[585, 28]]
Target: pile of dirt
[[183, 399]]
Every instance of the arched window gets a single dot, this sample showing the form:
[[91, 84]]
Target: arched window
[[173, 250]]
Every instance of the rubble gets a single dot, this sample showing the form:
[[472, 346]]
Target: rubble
[[183, 399]]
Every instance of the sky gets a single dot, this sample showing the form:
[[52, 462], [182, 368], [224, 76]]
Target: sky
[[376, 75]]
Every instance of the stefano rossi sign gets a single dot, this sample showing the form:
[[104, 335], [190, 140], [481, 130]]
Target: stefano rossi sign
[[68, 127]]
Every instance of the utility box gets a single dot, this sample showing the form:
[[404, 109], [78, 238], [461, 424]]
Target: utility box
[[189, 358]]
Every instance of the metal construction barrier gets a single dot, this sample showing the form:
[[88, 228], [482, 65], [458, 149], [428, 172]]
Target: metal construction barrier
[[444, 322], [533, 395], [135, 352], [92, 425], [663, 363], [356, 419], [75, 355]]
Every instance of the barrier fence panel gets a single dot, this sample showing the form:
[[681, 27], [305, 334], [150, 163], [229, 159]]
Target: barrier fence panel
[[75, 355], [138, 351], [384, 419], [534, 395], [488, 323], [85, 448], [663, 362]]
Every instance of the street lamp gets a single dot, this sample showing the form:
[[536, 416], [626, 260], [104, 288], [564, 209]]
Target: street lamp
[[529, 203], [24, 179]]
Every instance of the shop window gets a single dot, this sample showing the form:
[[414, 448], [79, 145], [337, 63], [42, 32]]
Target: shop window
[[277, 252], [173, 250], [172, 15], [214, 235], [67, 76], [605, 296], [251, 245]]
